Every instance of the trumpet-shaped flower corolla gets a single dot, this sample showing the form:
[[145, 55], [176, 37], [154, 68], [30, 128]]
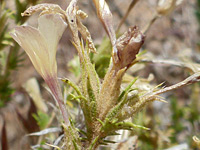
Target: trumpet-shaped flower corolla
[[40, 44]]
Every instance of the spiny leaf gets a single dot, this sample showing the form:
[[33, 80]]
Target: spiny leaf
[[89, 72], [127, 89], [110, 91], [93, 110], [4, 15], [76, 88], [129, 126], [87, 88], [114, 111], [72, 136], [88, 119], [90, 91], [74, 97], [92, 105], [102, 123], [93, 143], [76, 147]]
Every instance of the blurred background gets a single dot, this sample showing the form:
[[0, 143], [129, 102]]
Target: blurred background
[[174, 37]]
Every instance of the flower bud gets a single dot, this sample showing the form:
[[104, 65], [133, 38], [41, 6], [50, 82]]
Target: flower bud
[[165, 7], [128, 46]]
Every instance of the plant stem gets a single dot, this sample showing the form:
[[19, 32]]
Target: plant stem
[[147, 27], [133, 3]]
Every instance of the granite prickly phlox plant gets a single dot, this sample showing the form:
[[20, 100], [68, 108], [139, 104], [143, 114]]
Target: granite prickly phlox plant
[[104, 104]]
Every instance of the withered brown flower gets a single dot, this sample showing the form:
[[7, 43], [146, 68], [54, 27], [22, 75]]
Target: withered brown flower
[[128, 46]]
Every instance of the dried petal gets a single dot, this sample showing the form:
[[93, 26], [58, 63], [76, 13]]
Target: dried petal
[[45, 8], [84, 31], [71, 13], [106, 19]]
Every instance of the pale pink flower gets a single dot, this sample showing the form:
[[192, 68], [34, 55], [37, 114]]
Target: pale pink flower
[[40, 44]]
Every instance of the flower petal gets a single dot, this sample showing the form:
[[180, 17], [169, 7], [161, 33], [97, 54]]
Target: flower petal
[[35, 46], [51, 26]]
